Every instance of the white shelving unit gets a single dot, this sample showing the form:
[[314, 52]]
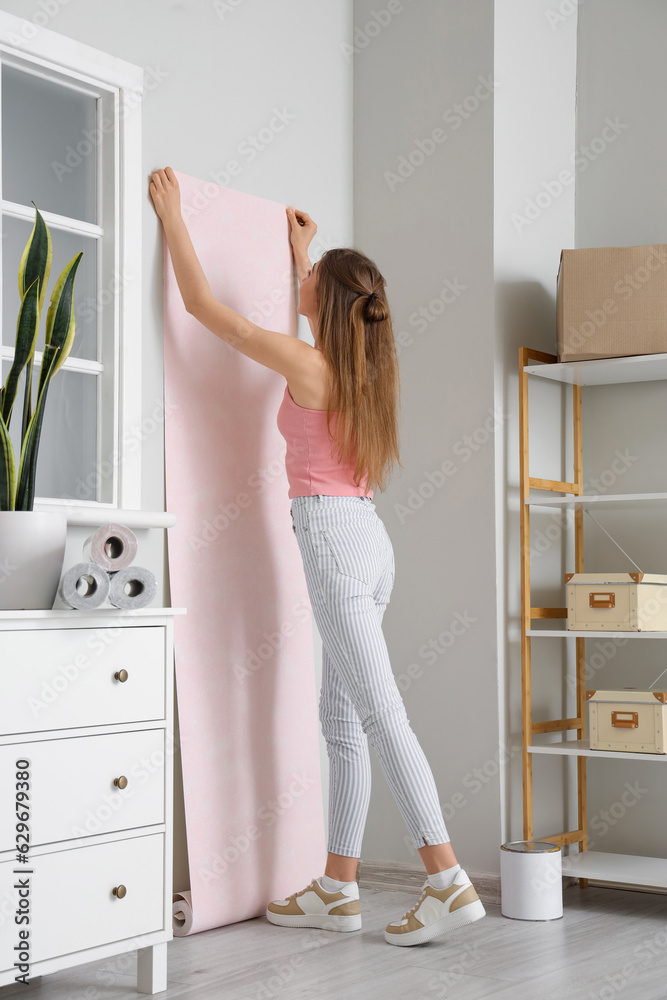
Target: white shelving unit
[[624, 501], [562, 632], [621, 869], [618, 869], [581, 748], [606, 371]]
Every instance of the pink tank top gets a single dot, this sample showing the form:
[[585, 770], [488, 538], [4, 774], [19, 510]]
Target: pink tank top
[[311, 466]]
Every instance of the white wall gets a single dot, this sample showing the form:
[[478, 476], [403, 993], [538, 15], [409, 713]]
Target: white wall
[[621, 202], [222, 78], [533, 220], [457, 217], [432, 227]]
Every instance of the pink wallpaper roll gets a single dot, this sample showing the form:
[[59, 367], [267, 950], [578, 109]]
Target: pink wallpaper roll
[[245, 682]]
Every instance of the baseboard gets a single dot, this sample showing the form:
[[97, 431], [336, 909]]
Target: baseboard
[[397, 877], [408, 878]]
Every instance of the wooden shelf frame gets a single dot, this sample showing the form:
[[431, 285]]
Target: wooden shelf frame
[[528, 728], [611, 869]]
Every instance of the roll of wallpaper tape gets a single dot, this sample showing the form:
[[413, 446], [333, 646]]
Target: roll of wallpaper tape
[[182, 913], [84, 585], [131, 588], [112, 546]]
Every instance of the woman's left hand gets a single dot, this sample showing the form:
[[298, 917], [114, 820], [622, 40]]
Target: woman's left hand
[[166, 194]]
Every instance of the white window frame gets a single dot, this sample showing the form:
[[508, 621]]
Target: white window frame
[[121, 85]]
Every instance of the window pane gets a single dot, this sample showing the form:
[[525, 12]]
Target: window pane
[[15, 235], [49, 149], [67, 447]]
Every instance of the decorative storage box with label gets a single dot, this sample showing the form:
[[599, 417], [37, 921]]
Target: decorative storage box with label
[[627, 720], [625, 602], [611, 302]]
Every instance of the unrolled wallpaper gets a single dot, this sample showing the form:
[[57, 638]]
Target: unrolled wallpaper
[[245, 681]]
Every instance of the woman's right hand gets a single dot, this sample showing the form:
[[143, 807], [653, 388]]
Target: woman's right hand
[[166, 195], [302, 230]]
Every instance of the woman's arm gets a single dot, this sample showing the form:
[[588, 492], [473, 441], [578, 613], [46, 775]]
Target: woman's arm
[[303, 265], [287, 355], [189, 274], [302, 230], [192, 283], [303, 269]]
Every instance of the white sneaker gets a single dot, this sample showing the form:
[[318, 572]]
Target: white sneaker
[[315, 907], [436, 912]]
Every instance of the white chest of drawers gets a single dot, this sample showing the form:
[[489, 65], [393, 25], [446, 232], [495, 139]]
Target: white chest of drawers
[[86, 766]]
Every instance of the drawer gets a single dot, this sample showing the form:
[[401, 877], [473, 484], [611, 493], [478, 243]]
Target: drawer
[[64, 678], [72, 905], [72, 791]]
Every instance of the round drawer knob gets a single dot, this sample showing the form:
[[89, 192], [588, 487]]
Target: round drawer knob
[[121, 782], [119, 890], [121, 675]]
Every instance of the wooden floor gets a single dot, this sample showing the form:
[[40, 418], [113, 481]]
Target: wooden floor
[[611, 944]]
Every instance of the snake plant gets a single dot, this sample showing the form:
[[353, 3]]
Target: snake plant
[[17, 487]]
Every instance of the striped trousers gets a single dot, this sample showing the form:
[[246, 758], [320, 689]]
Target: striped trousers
[[348, 560]]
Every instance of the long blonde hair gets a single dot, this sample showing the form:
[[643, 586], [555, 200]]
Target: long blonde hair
[[356, 337]]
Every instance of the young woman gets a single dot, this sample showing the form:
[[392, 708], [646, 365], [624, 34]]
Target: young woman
[[349, 375]]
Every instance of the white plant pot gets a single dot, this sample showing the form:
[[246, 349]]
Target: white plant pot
[[32, 551]]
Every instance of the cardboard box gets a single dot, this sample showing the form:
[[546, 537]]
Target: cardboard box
[[627, 719], [612, 302], [626, 602]]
